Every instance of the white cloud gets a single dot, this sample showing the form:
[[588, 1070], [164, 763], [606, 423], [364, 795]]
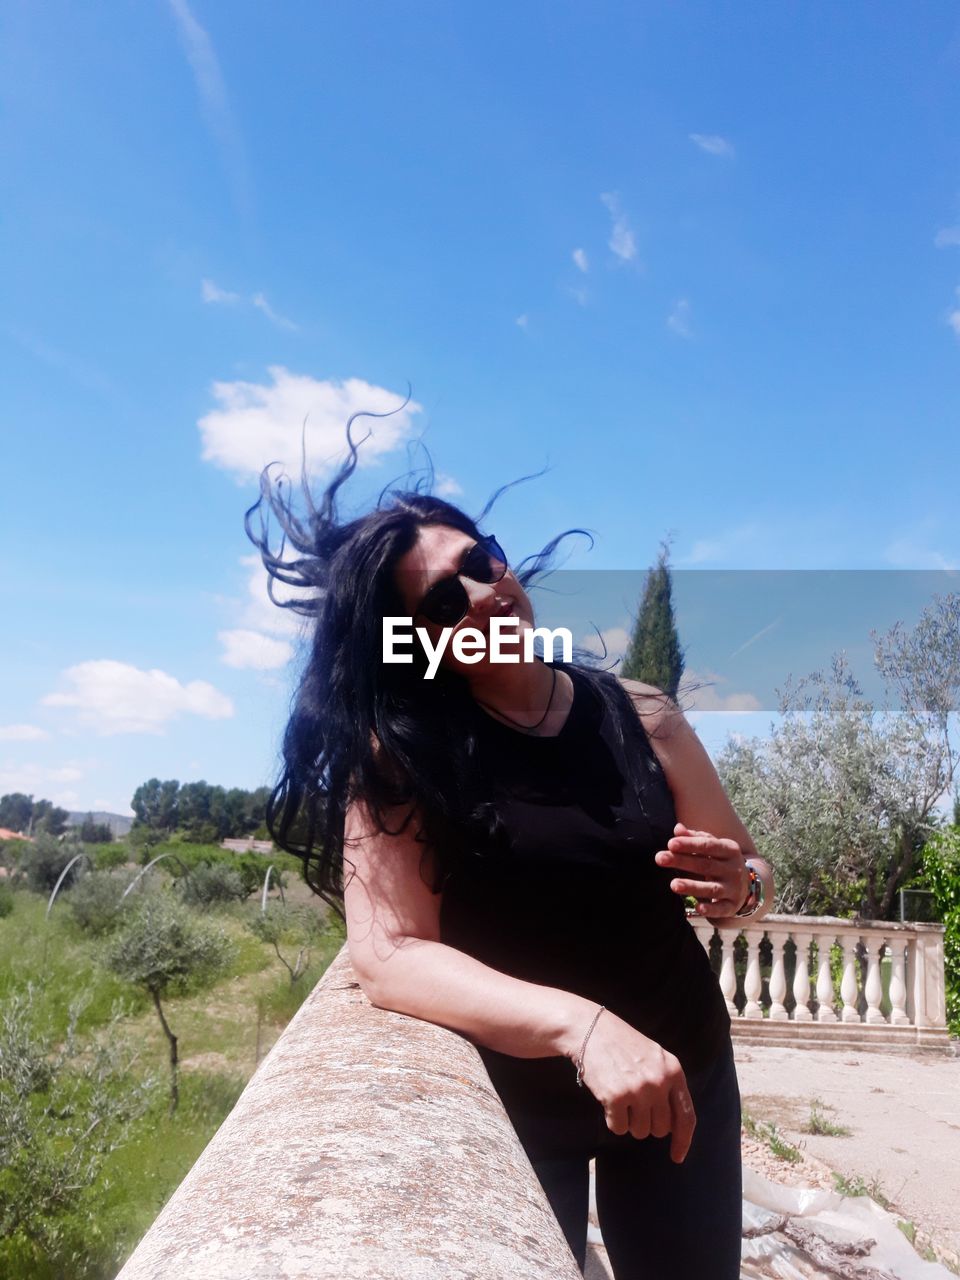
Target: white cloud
[[252, 649], [214, 101], [616, 640], [947, 236], [621, 241], [260, 613], [580, 258], [580, 296], [260, 302], [522, 321], [447, 486], [22, 733], [37, 780], [712, 143], [911, 552], [256, 424], [678, 321], [211, 292], [115, 697], [953, 317], [708, 700]]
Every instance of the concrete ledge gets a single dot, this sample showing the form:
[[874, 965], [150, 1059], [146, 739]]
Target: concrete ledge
[[876, 1037], [367, 1145]]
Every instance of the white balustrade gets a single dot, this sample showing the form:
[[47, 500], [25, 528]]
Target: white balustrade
[[912, 1012]]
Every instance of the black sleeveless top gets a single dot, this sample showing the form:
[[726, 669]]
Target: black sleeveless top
[[571, 896]]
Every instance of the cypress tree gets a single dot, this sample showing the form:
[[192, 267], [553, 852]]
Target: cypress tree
[[654, 654]]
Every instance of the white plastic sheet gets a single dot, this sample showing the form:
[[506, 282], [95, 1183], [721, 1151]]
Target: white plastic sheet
[[801, 1233]]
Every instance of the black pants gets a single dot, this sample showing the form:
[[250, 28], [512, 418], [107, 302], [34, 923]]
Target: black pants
[[659, 1220]]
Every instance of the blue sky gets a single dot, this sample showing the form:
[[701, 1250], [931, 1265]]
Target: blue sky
[[701, 260]]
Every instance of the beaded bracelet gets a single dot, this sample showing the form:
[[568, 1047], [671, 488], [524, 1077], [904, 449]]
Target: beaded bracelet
[[584, 1045]]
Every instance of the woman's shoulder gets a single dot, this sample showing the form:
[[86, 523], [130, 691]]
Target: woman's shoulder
[[658, 711]]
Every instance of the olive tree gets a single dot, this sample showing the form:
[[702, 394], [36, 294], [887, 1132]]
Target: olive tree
[[842, 796], [167, 949], [63, 1110]]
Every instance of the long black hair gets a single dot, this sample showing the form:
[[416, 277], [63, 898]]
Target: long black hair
[[360, 728]]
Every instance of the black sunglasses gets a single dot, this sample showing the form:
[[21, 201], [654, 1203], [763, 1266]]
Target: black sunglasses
[[447, 602]]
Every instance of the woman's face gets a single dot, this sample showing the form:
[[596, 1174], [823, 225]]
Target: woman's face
[[438, 553]]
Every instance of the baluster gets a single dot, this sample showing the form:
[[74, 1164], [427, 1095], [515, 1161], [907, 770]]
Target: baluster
[[898, 986], [728, 974], [873, 987], [848, 983], [801, 977], [825, 1011], [778, 980], [753, 983]]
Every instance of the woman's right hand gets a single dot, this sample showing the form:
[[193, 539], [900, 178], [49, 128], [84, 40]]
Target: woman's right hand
[[642, 1087]]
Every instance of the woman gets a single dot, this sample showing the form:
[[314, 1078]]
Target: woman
[[517, 842]]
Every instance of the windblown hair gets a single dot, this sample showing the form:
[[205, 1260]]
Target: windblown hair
[[362, 729]]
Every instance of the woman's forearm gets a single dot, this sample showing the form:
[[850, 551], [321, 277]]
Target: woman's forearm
[[440, 984]]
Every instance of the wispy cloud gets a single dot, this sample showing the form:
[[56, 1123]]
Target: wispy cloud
[[622, 241], [22, 733], [115, 697], [707, 550], [52, 783], [211, 292], [953, 317], [580, 259], [255, 423], [253, 650], [913, 551], [678, 321], [946, 237], [260, 302], [214, 100], [712, 143], [522, 321], [447, 486]]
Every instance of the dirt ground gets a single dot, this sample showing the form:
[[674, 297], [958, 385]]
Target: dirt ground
[[903, 1111]]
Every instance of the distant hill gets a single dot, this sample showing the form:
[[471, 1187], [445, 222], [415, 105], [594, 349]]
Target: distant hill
[[118, 823]]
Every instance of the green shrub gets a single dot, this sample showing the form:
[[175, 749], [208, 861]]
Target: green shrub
[[941, 874], [6, 900], [107, 856], [45, 859], [94, 901], [209, 885]]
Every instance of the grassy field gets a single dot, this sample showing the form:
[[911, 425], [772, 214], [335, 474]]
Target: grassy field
[[222, 1032]]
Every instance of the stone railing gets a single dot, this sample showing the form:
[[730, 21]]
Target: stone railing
[[800, 1004], [368, 1145]]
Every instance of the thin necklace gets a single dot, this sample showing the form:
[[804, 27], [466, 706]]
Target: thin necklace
[[527, 728]]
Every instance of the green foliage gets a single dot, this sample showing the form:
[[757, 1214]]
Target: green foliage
[[94, 902], [166, 948], [297, 926], [6, 900], [654, 654], [62, 1112], [841, 795], [22, 813], [819, 1124], [44, 860], [211, 884], [941, 875], [107, 856], [200, 811], [92, 832]]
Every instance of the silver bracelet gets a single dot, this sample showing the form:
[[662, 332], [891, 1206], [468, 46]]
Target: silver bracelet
[[584, 1045]]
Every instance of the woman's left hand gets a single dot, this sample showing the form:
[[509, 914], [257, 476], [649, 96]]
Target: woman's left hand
[[719, 861]]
